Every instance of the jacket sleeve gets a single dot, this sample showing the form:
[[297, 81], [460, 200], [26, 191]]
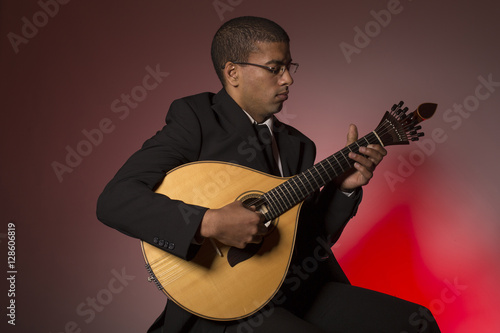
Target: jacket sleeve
[[336, 209], [129, 203], [330, 208]]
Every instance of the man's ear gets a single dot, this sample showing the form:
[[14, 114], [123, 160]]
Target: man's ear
[[231, 74]]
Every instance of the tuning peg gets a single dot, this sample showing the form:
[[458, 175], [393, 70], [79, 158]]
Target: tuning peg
[[414, 135]]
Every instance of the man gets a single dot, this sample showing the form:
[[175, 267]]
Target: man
[[252, 59]]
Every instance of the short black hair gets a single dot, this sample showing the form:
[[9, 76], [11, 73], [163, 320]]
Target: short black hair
[[235, 40]]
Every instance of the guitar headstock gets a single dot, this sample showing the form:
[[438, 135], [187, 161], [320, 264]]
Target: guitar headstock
[[399, 128]]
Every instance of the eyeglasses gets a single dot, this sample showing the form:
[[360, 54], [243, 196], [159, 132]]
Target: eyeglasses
[[291, 67]]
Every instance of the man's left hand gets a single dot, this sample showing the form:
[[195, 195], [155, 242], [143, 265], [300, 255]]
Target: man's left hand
[[365, 163]]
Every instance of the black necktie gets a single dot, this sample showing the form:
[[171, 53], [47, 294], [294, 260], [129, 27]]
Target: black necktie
[[266, 140]]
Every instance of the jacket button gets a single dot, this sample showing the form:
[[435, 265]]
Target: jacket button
[[171, 246], [161, 242], [155, 240]]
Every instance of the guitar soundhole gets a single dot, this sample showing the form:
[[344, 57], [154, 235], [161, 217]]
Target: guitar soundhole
[[250, 199], [235, 255]]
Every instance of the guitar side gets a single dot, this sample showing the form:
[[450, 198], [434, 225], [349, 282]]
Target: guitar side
[[208, 286]]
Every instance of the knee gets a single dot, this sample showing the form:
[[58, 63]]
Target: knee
[[422, 320]]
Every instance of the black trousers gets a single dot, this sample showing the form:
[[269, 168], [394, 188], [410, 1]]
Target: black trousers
[[339, 307]]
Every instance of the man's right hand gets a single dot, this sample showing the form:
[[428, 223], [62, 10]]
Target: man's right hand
[[234, 225]]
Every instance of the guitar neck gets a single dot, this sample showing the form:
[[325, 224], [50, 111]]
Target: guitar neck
[[298, 188], [395, 128]]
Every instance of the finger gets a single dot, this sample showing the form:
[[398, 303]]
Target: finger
[[371, 155], [352, 134], [381, 150], [262, 229], [363, 161], [261, 216], [256, 239], [374, 154], [366, 173], [252, 208]]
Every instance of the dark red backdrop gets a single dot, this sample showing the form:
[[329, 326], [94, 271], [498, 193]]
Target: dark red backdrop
[[428, 227]]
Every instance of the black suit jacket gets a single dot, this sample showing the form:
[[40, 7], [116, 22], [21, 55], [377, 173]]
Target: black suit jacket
[[211, 126]]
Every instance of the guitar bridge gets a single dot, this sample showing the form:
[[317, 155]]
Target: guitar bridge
[[152, 277]]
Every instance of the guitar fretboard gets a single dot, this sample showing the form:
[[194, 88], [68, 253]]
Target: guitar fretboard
[[296, 189]]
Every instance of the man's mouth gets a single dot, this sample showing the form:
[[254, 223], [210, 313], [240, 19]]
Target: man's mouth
[[283, 96]]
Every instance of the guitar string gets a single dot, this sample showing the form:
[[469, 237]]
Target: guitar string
[[321, 174], [383, 130], [296, 191], [320, 171], [274, 198]]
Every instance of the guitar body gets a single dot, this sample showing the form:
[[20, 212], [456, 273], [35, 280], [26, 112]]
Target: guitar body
[[208, 286], [224, 283]]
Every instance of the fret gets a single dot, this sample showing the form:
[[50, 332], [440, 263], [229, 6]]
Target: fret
[[326, 171], [373, 136], [284, 194], [296, 189], [293, 180], [270, 204], [288, 190], [277, 199], [345, 158], [319, 174], [333, 168], [378, 138], [304, 176], [395, 128], [314, 178], [303, 185], [338, 162]]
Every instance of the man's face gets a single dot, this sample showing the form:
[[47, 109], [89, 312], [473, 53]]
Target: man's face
[[260, 92]]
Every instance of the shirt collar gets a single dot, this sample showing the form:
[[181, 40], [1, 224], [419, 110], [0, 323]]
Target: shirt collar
[[268, 122]]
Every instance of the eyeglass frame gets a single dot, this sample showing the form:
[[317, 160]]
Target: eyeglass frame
[[273, 70]]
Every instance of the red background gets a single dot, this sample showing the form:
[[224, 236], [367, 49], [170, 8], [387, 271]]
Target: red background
[[427, 230]]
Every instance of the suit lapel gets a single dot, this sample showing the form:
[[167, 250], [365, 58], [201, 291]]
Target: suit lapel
[[235, 121], [289, 147]]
